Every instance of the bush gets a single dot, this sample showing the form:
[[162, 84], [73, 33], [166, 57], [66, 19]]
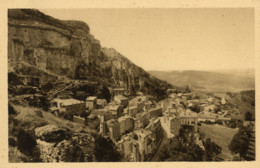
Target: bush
[[11, 110], [11, 142], [73, 154], [105, 150], [211, 149], [38, 113], [26, 142], [248, 116], [219, 122], [182, 148], [47, 87], [217, 109], [195, 108], [240, 142]]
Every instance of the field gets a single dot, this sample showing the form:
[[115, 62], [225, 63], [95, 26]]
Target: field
[[220, 135]]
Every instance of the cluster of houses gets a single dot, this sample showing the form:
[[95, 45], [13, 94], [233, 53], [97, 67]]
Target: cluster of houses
[[132, 124], [135, 125], [177, 112]]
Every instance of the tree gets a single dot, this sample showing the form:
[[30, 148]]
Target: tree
[[105, 94], [74, 153], [240, 142], [105, 150], [26, 143], [248, 116], [195, 108], [211, 149], [11, 110], [187, 89], [217, 109], [182, 148]]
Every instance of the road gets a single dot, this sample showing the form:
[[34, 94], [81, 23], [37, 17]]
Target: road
[[163, 142]]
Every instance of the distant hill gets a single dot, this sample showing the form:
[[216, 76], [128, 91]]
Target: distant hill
[[210, 81]]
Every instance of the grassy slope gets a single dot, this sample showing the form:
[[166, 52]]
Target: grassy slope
[[220, 135]]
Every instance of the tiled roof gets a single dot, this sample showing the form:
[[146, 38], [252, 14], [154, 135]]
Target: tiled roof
[[91, 98], [121, 97], [67, 102]]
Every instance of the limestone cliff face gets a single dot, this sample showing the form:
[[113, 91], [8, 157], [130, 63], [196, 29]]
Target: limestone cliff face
[[67, 48], [57, 49]]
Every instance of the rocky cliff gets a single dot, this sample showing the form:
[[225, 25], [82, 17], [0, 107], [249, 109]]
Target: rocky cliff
[[66, 48]]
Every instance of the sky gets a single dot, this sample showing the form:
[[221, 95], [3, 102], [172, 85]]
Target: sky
[[173, 39]]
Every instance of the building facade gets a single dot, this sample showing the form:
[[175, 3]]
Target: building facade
[[91, 102]]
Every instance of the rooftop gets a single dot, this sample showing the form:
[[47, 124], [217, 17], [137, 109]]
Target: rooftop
[[99, 101], [207, 115], [113, 107], [78, 117], [67, 102], [188, 113], [121, 97], [142, 133], [123, 118], [119, 89], [91, 116], [155, 108], [91, 98], [54, 108], [100, 111], [111, 122], [133, 107]]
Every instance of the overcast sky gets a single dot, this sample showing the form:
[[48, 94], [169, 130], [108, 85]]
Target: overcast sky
[[173, 39]]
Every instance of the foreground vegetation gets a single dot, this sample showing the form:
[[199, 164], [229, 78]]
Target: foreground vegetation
[[221, 135], [184, 148], [23, 145], [240, 141]]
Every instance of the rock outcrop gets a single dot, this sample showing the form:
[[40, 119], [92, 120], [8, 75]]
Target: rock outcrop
[[67, 48], [54, 147], [52, 133]]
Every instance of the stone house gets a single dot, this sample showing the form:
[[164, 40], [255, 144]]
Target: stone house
[[78, 120], [114, 129], [91, 102], [126, 124], [101, 103], [122, 100], [69, 106], [116, 110]]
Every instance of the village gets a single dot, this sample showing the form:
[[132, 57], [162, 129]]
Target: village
[[138, 125]]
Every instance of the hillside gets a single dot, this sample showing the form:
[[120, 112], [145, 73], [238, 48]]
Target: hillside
[[220, 135], [210, 81], [66, 49]]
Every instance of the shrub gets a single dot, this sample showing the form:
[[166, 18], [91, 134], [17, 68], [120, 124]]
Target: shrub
[[240, 142], [38, 113], [11, 142], [195, 108], [105, 150], [248, 116], [11, 110], [74, 153], [26, 142]]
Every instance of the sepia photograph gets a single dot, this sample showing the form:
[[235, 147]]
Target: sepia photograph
[[72, 100], [123, 85]]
